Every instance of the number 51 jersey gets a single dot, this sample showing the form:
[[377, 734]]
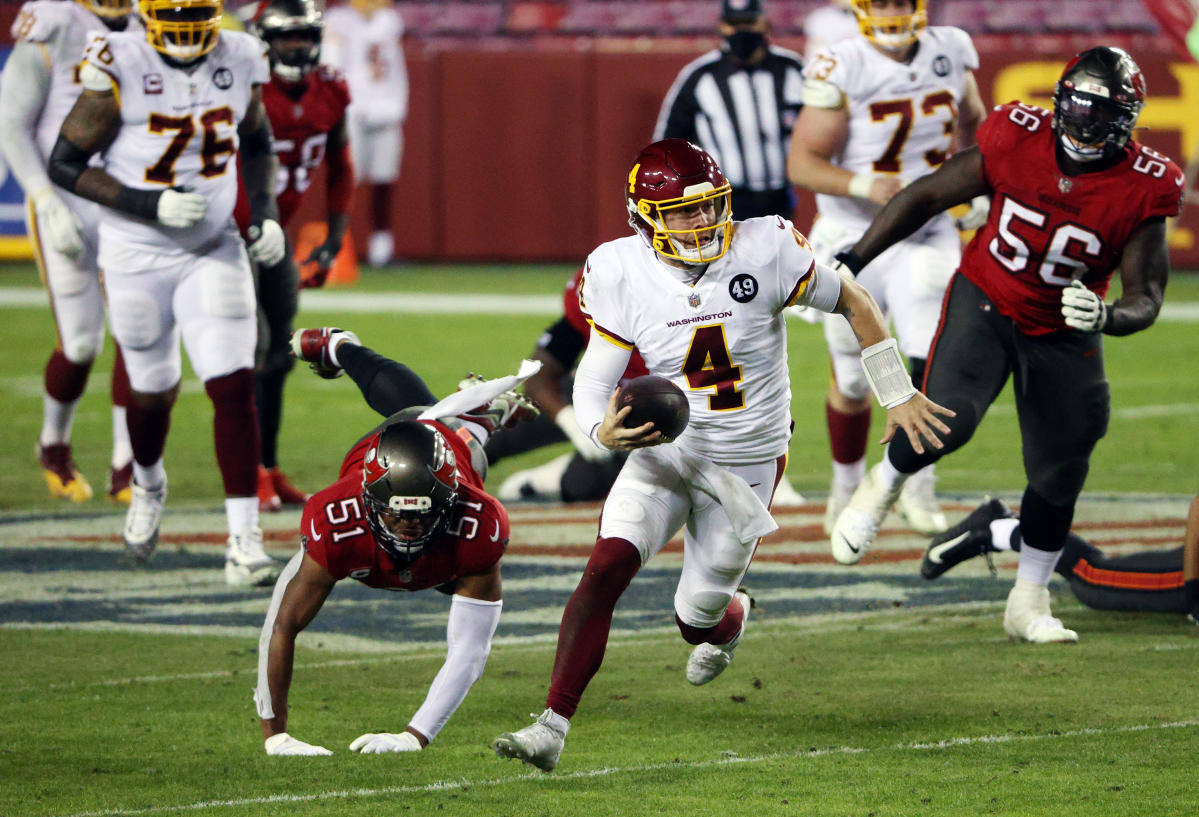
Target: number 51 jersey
[[178, 129], [1047, 228], [721, 339]]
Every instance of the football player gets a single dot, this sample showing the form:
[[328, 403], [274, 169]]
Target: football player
[[1074, 197], [168, 110], [306, 105], [39, 85], [407, 512], [879, 112], [701, 298], [1153, 581], [363, 39]]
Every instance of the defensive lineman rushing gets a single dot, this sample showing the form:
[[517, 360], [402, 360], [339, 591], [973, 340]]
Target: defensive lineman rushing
[[880, 111], [38, 88], [1074, 197], [168, 110], [701, 298], [408, 512]]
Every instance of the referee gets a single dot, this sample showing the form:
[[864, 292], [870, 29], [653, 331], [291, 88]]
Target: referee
[[739, 103]]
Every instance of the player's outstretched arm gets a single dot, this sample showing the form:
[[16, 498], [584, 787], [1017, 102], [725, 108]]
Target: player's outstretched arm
[[474, 615], [906, 407], [1144, 270], [957, 181], [299, 594]]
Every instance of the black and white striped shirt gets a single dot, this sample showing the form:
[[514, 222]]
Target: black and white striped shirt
[[743, 117]]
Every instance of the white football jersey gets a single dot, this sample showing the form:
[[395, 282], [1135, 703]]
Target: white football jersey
[[368, 52], [722, 340], [902, 116], [178, 129]]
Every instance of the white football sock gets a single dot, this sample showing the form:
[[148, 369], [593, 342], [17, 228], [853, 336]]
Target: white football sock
[[1036, 566], [1001, 533]]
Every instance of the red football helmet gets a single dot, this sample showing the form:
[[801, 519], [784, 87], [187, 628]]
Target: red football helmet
[[680, 202]]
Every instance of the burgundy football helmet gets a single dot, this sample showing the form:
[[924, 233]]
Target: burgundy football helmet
[[1096, 103], [409, 487], [679, 202]]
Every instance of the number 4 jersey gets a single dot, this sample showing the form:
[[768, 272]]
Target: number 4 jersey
[[1047, 228], [334, 530], [178, 129]]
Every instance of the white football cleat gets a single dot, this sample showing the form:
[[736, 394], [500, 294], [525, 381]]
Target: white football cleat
[[246, 563], [1027, 616], [838, 499], [709, 660], [857, 526], [917, 503], [542, 483], [539, 744], [142, 520]]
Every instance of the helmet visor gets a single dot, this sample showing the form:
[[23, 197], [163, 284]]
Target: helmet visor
[[694, 228], [1092, 120]]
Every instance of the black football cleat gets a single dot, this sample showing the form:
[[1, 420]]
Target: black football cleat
[[969, 538]]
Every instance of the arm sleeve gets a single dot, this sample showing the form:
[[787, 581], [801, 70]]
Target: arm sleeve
[[262, 695], [23, 89], [468, 634], [599, 371], [820, 289]]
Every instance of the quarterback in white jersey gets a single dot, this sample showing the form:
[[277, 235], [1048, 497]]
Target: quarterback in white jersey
[[362, 39], [701, 297], [880, 111], [168, 110], [39, 85]]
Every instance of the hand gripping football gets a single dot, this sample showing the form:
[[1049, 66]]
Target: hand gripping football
[[655, 400]]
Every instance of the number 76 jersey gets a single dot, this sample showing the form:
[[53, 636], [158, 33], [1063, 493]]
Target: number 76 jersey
[[1046, 228], [178, 129]]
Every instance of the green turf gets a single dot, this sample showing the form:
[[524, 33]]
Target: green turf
[[823, 720], [322, 418]]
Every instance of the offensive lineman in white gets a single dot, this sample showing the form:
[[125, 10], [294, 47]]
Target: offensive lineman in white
[[168, 110], [38, 87], [362, 38], [879, 112], [701, 298]]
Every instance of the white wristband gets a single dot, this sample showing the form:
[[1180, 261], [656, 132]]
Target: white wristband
[[859, 185], [887, 374]]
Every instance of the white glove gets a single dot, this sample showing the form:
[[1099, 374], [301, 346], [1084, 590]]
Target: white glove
[[267, 243], [181, 210], [57, 223], [976, 216], [377, 743], [284, 744], [565, 420], [1082, 308]]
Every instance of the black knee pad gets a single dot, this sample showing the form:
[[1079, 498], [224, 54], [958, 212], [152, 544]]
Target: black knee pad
[[1043, 523], [961, 428]]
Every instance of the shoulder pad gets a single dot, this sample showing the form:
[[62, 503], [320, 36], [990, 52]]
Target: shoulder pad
[[38, 22], [821, 93]]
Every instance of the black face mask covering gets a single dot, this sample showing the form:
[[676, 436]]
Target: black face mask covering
[[744, 43]]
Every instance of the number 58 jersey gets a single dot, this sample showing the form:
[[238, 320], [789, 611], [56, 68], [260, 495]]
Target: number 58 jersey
[[1047, 228], [721, 339], [178, 129]]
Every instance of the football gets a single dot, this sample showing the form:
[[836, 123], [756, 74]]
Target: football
[[655, 400]]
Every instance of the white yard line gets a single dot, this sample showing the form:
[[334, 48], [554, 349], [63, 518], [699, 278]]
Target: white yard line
[[609, 771]]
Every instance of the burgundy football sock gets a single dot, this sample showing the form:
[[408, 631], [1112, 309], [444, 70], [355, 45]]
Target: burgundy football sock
[[148, 429], [235, 428], [120, 380], [847, 434], [583, 636], [724, 631], [65, 380]]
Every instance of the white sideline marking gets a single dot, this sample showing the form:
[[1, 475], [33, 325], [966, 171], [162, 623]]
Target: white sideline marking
[[608, 771]]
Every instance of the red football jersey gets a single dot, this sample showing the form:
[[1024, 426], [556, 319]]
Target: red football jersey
[[302, 129], [574, 316], [1046, 228], [334, 530]]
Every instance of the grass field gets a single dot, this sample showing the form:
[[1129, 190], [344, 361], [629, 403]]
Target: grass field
[[863, 691]]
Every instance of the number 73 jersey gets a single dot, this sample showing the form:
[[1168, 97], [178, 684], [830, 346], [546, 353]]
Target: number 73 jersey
[[178, 129], [1046, 228]]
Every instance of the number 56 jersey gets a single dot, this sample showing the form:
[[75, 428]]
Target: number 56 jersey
[[1047, 228], [178, 129], [721, 339]]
